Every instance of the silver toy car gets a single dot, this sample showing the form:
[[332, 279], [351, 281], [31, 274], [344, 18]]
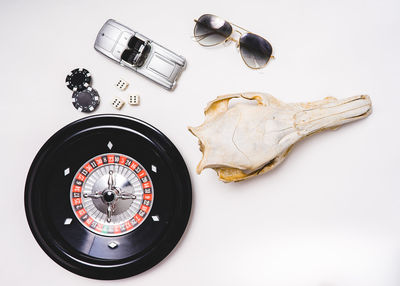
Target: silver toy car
[[139, 53]]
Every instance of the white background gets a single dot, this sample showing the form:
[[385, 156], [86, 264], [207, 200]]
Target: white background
[[328, 216]]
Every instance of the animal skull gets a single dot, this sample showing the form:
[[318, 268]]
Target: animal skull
[[246, 140]]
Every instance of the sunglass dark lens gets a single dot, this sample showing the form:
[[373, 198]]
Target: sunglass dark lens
[[211, 30], [255, 50]]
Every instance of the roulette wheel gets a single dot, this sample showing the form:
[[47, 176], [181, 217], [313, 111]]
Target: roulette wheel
[[108, 197]]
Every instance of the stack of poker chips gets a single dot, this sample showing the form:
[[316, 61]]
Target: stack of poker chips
[[84, 97]]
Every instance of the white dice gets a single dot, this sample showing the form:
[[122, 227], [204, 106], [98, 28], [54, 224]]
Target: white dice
[[134, 99], [122, 84], [117, 103]]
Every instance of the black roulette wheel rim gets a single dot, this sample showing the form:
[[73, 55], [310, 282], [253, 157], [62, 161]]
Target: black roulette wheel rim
[[139, 249]]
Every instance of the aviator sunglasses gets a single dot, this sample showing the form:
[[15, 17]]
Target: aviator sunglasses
[[211, 30]]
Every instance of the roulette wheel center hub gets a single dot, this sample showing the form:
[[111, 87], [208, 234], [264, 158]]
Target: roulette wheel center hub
[[107, 194]]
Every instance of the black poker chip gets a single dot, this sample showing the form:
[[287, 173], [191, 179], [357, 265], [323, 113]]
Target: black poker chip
[[86, 100], [78, 79]]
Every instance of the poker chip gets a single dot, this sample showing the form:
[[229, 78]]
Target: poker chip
[[86, 100], [78, 79]]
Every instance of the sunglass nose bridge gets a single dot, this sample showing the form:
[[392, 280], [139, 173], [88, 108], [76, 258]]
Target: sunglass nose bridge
[[233, 38]]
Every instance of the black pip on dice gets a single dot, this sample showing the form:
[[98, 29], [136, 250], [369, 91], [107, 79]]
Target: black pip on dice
[[108, 197]]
